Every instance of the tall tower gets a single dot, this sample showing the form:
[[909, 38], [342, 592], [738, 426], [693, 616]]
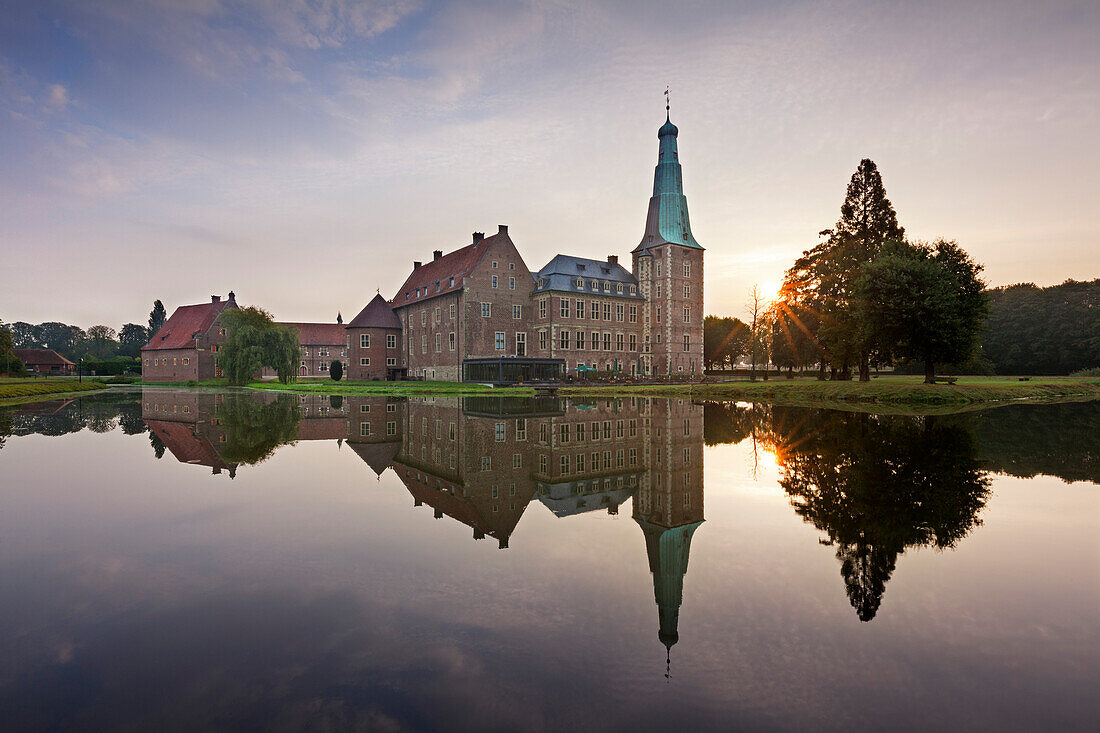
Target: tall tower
[[668, 263]]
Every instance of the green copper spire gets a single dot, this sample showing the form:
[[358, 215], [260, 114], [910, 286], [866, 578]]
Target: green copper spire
[[667, 220]]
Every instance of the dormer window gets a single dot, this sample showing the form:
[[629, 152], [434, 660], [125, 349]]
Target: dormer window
[[619, 288], [633, 289], [580, 283], [606, 287], [595, 284]]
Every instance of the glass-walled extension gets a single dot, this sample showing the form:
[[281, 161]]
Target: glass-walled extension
[[512, 369]]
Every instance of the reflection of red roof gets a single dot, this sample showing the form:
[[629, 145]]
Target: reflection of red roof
[[378, 456], [324, 334], [187, 322], [435, 277], [377, 314], [41, 357], [181, 439]]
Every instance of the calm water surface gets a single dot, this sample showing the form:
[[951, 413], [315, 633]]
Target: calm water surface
[[175, 560]]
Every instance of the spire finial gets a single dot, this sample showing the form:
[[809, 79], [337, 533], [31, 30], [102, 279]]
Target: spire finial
[[667, 106]]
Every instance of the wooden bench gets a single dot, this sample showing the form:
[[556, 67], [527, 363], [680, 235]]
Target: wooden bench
[[946, 380]]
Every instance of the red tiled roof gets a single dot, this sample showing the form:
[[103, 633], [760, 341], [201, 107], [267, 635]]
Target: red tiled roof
[[325, 334], [40, 357], [187, 322], [377, 314], [445, 274]]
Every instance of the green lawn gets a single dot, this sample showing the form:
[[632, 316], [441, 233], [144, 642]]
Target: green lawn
[[882, 390], [408, 389], [25, 390]]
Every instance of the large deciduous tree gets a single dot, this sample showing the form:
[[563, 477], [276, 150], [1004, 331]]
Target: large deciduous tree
[[102, 342], [725, 340], [132, 337], [254, 341], [923, 302]]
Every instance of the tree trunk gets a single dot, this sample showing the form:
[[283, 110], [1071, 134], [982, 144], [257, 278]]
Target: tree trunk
[[929, 371], [821, 372], [864, 368]]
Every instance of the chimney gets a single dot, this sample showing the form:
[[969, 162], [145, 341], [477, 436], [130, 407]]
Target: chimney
[[416, 265], [478, 236], [215, 298], [502, 228], [613, 259], [437, 254]]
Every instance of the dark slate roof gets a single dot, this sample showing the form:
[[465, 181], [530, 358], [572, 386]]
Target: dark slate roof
[[445, 274], [187, 322], [324, 334], [562, 273], [44, 357], [377, 314]]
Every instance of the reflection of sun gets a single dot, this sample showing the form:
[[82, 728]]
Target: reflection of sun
[[768, 458]]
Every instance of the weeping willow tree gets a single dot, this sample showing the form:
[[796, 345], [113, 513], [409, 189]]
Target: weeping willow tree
[[255, 427], [254, 341]]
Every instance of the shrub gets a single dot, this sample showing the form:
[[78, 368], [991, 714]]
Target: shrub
[[336, 370], [1091, 372]]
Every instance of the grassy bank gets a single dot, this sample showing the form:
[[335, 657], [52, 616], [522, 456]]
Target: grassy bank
[[884, 391], [18, 392], [406, 389]]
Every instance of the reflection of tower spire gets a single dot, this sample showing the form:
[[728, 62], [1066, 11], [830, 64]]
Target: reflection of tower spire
[[668, 559]]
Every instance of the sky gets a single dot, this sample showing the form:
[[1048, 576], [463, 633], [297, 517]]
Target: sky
[[303, 153]]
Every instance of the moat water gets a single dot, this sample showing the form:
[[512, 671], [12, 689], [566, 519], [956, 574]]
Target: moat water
[[180, 560]]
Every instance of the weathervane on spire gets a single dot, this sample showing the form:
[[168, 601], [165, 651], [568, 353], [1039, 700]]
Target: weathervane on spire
[[666, 99]]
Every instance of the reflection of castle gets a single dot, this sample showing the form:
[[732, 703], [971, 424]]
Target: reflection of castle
[[481, 460]]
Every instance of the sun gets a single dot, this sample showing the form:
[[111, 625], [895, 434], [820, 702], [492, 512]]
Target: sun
[[769, 290]]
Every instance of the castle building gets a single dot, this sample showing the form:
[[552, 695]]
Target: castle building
[[185, 347], [479, 314]]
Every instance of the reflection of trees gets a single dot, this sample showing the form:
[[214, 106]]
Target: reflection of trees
[[157, 443], [255, 428], [877, 485], [100, 413], [725, 423], [6, 426], [1060, 440]]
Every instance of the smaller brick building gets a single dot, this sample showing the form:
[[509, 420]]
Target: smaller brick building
[[320, 344], [44, 361], [185, 348], [374, 343]]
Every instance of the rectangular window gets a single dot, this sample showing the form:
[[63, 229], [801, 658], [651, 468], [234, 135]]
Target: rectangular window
[[391, 341], [423, 317], [633, 456], [687, 290], [580, 309], [542, 308], [451, 340], [633, 342], [595, 341], [607, 342], [499, 340], [687, 314], [580, 463], [564, 305], [687, 271], [364, 361], [618, 342], [658, 314], [517, 462], [658, 269], [542, 464], [186, 361], [498, 432], [607, 311], [563, 339], [565, 464], [486, 310], [424, 344], [391, 361], [437, 315], [633, 314], [517, 312], [494, 281], [521, 343], [594, 310], [542, 340], [563, 432], [580, 339], [364, 429], [580, 432], [391, 428], [619, 312], [364, 341], [438, 342], [486, 463], [511, 283], [451, 310], [364, 408]]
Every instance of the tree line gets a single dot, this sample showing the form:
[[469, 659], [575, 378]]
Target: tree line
[[110, 350]]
